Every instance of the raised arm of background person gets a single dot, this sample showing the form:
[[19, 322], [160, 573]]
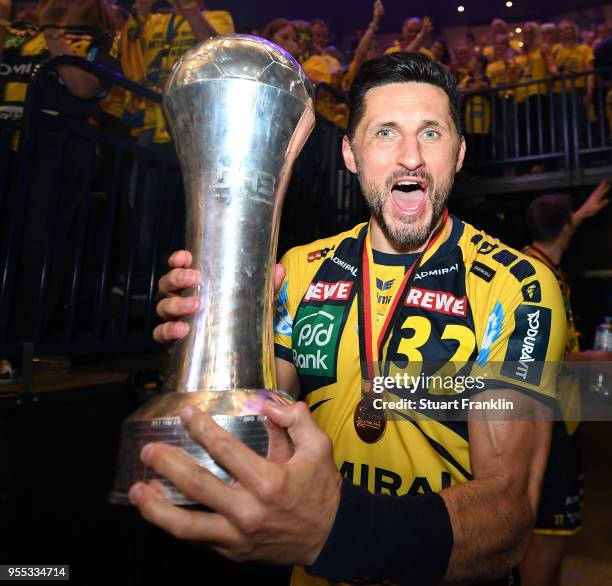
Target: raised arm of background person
[[493, 515], [364, 43], [5, 14], [593, 204], [200, 26], [80, 83], [426, 28]]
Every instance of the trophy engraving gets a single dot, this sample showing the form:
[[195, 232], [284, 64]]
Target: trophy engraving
[[240, 109]]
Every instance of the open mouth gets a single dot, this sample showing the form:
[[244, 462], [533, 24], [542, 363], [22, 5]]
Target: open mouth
[[409, 194]]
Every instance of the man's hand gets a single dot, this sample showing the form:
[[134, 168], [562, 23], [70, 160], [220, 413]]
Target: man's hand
[[426, 27], [378, 12], [596, 202], [273, 512], [173, 306]]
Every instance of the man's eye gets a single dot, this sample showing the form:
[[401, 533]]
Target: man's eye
[[385, 133], [431, 134]]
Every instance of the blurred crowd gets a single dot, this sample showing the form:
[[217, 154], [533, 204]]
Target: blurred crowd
[[512, 79], [144, 42]]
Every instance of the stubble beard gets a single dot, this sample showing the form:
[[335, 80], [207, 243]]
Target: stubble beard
[[407, 236]]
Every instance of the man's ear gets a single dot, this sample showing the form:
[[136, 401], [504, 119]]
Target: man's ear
[[460, 154], [348, 155]]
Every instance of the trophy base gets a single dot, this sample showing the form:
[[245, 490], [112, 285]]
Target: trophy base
[[237, 411]]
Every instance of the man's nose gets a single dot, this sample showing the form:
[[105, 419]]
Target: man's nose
[[409, 155]]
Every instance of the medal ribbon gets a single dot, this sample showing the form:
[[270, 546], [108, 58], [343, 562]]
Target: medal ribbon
[[370, 346]]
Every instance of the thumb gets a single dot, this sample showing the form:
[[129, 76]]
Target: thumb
[[299, 423]]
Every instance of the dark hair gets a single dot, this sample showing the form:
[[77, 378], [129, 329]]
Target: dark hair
[[446, 54], [274, 26], [401, 68], [547, 215]]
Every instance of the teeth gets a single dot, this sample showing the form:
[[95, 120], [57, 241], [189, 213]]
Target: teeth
[[407, 183]]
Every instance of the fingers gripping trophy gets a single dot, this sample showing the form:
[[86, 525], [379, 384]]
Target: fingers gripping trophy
[[240, 109]]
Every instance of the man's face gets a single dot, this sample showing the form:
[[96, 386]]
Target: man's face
[[406, 152], [411, 29]]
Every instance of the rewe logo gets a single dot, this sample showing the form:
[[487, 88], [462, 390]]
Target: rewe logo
[[439, 301], [322, 291]]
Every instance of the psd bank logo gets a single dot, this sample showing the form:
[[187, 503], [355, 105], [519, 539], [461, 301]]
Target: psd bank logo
[[315, 339]]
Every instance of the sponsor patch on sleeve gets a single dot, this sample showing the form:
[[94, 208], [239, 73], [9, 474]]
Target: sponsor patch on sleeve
[[483, 271], [526, 351]]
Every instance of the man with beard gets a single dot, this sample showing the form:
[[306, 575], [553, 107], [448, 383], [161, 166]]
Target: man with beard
[[423, 498]]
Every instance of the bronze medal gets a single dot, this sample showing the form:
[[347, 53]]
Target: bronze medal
[[370, 423]]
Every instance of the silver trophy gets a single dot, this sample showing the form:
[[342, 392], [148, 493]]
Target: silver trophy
[[240, 109]]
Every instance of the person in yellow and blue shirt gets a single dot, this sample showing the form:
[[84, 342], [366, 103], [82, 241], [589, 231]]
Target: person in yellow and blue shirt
[[393, 495], [152, 42], [552, 224]]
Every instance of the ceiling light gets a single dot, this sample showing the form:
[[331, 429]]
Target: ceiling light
[[518, 30], [509, 4], [460, 8]]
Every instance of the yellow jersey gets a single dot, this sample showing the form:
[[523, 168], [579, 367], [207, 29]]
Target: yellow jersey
[[531, 67], [570, 61], [473, 300]]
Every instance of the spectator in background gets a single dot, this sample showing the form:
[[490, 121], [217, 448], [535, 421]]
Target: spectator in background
[[367, 48], [283, 33], [334, 52], [151, 43], [602, 32], [550, 35], [552, 224], [413, 36], [459, 65], [501, 71], [320, 36], [587, 38], [304, 39], [477, 106], [499, 27], [568, 58], [440, 51], [82, 28], [470, 41], [533, 65]]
